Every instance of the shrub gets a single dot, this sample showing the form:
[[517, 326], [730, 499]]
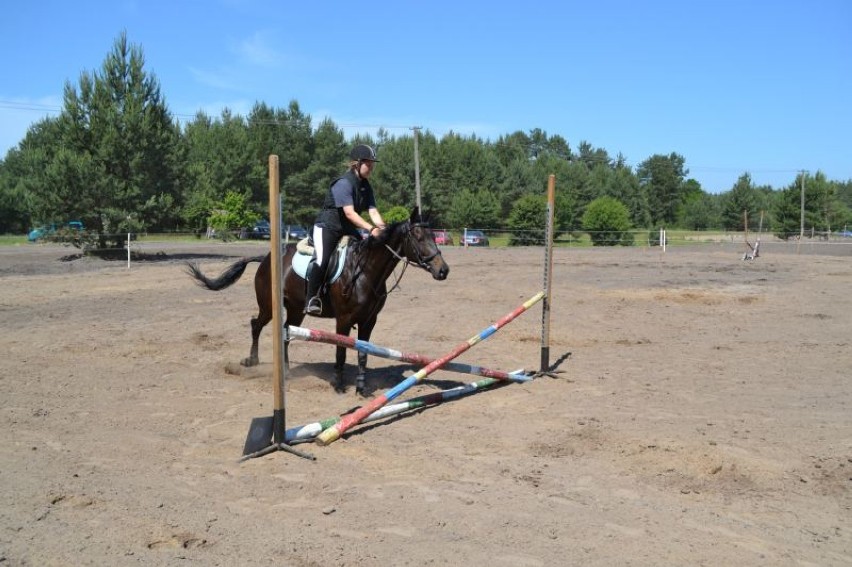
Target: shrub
[[607, 221], [528, 221], [397, 213]]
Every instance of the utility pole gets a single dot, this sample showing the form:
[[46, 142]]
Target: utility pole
[[417, 168], [802, 216], [802, 211]]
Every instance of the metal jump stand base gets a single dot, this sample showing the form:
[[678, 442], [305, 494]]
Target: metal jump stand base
[[277, 447], [267, 435]]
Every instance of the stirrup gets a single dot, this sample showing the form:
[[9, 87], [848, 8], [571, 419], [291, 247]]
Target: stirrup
[[314, 306]]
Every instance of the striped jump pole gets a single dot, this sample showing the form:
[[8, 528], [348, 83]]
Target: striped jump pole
[[334, 432], [311, 430], [317, 336]]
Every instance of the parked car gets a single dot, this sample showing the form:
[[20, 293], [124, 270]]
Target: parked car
[[37, 232], [45, 230], [844, 234], [296, 232], [260, 230], [474, 238], [443, 238]]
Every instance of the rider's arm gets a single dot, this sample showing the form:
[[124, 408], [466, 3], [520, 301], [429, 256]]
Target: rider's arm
[[356, 219], [376, 218]]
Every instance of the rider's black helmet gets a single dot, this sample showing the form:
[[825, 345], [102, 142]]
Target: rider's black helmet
[[362, 152]]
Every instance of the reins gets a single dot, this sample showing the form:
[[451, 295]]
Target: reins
[[420, 261]]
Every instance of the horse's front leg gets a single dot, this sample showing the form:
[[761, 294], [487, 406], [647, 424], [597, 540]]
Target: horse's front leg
[[339, 362], [361, 378], [364, 332], [344, 329]]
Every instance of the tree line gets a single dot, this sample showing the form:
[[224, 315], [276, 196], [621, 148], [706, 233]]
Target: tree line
[[117, 159]]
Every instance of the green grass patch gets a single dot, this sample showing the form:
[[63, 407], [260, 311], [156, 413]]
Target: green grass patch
[[13, 239]]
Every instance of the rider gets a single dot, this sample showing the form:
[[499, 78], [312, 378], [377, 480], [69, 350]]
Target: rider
[[348, 196]]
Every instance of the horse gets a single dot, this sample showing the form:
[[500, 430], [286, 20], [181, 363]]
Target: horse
[[354, 299]]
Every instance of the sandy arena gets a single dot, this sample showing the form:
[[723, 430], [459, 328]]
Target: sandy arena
[[703, 416]]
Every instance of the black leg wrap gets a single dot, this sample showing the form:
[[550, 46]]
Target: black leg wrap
[[339, 384]]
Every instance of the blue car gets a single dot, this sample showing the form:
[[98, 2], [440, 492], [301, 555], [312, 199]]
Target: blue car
[[37, 233], [42, 231]]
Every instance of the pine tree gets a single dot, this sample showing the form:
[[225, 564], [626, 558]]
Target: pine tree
[[113, 164]]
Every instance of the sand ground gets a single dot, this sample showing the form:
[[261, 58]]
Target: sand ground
[[703, 416]]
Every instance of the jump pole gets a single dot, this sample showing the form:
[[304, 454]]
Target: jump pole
[[548, 276], [317, 336], [334, 432], [311, 430]]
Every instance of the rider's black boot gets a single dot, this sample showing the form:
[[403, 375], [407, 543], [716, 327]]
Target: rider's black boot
[[313, 305]]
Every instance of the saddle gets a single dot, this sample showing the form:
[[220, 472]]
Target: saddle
[[305, 255]]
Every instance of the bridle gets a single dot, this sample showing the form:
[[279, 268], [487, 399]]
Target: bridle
[[420, 261]]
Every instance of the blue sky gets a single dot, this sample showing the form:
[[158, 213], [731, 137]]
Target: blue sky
[[763, 87]]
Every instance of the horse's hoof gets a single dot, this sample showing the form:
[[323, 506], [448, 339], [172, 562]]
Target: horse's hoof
[[248, 362], [340, 387], [362, 391]]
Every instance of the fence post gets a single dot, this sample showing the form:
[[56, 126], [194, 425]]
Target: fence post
[[548, 274]]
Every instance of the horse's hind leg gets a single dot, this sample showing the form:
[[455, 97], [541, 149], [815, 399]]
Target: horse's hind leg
[[263, 293], [257, 325]]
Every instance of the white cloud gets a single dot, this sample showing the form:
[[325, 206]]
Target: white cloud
[[238, 72], [257, 50], [219, 79]]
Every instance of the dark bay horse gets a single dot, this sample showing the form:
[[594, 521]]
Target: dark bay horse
[[354, 299]]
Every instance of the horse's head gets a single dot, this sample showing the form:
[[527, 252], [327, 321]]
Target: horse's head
[[413, 240]]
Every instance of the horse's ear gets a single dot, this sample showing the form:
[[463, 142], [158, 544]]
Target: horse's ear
[[415, 215]]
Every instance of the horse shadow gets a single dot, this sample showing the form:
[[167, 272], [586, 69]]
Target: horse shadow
[[378, 379], [395, 373], [386, 377], [366, 427]]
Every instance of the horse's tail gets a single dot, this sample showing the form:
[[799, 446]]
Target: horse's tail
[[227, 278]]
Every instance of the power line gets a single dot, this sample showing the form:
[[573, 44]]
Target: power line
[[12, 105]]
